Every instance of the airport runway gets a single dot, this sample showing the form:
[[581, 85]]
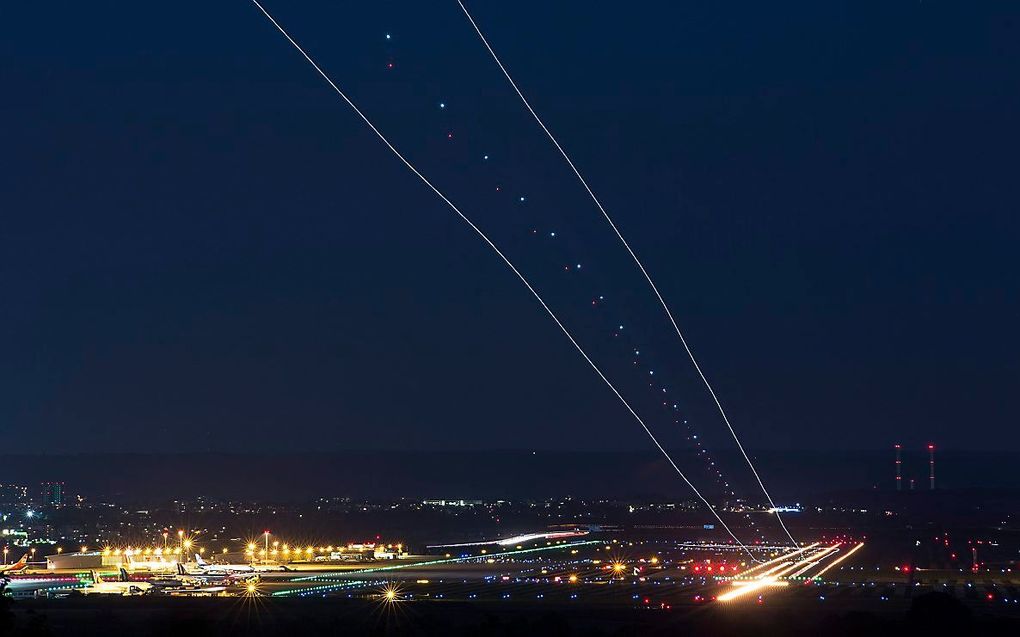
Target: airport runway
[[663, 576]]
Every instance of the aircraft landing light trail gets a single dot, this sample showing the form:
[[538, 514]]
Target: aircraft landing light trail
[[831, 564], [793, 565], [780, 558], [517, 539], [452, 560]]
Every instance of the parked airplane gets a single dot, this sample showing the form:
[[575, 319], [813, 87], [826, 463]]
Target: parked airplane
[[123, 586], [17, 567], [234, 569], [182, 581]]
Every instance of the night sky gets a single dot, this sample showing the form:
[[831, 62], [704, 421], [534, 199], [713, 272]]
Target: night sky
[[202, 248]]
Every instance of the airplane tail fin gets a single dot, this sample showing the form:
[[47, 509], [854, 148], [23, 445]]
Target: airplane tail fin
[[95, 577], [180, 569], [199, 560], [124, 575]]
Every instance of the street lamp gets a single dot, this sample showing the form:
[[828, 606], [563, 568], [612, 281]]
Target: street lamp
[[6, 550]]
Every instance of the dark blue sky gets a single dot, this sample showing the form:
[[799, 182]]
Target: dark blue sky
[[202, 248]]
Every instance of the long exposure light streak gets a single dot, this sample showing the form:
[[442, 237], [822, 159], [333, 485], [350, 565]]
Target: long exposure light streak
[[745, 588], [509, 264], [637, 261], [810, 561], [779, 574], [727, 547], [447, 560], [837, 561], [785, 556], [517, 539], [777, 571]]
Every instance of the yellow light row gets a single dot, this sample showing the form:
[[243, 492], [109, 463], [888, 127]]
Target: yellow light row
[[251, 549]]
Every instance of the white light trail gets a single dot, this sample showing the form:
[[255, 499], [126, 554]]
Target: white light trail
[[510, 265], [809, 566], [780, 573], [744, 588], [710, 545], [849, 553], [814, 559], [517, 539], [774, 571], [778, 559], [637, 261]]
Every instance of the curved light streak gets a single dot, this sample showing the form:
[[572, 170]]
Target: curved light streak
[[637, 261]]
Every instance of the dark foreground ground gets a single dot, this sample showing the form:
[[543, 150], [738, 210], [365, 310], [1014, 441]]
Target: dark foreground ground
[[932, 614]]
